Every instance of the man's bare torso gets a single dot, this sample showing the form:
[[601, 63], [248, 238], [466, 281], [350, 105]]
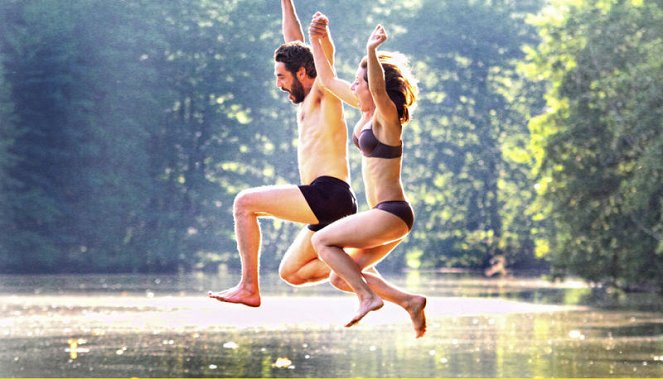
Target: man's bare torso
[[322, 143]]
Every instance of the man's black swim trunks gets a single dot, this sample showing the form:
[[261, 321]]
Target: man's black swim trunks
[[330, 199]]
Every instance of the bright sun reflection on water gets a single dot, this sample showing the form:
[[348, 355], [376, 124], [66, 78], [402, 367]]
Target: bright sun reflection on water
[[138, 326]]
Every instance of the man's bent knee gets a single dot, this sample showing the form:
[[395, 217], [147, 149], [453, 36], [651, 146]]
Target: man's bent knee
[[243, 202], [291, 277], [307, 274]]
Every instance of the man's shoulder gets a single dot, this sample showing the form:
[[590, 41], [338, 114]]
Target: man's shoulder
[[324, 94], [315, 94]]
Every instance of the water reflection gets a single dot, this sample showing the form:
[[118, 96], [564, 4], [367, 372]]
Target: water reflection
[[164, 327]]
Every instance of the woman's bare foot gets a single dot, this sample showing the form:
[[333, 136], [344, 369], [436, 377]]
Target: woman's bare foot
[[370, 304], [415, 307], [237, 295]]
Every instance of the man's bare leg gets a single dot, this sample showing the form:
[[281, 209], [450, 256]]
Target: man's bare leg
[[247, 232], [249, 205], [300, 265]]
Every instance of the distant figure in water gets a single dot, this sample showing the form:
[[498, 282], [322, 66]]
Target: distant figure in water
[[384, 91], [324, 195], [498, 267]]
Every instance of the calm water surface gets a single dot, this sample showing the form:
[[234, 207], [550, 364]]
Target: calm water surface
[[164, 326]]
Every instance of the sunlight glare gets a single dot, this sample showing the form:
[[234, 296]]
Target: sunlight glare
[[283, 362], [230, 345]]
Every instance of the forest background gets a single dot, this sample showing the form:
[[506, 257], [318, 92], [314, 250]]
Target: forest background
[[127, 128]]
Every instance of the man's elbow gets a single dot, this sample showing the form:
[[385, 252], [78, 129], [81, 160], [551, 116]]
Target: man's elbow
[[292, 34]]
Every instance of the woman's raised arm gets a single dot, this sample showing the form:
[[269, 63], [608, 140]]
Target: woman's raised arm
[[318, 31]]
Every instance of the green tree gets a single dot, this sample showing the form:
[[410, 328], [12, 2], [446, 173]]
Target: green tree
[[78, 86], [218, 129], [600, 145], [120, 103], [470, 169], [8, 134], [41, 150], [140, 121]]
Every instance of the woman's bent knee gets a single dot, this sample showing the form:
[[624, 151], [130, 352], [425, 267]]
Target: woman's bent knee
[[319, 244]]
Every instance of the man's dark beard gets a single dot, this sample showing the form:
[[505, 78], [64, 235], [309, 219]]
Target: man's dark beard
[[297, 91]]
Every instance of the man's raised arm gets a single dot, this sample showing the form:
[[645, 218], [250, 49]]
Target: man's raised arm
[[291, 27]]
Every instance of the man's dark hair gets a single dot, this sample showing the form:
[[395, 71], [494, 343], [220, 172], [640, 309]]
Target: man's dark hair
[[295, 55]]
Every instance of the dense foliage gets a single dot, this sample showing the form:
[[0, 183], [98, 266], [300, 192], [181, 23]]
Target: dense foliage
[[127, 128], [600, 143]]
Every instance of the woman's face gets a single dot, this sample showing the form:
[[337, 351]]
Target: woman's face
[[360, 89]]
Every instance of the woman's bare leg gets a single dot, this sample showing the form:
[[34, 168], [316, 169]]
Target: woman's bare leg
[[413, 304], [364, 230]]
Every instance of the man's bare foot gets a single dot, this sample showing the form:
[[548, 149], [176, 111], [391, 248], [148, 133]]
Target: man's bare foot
[[372, 304], [415, 307], [237, 295]]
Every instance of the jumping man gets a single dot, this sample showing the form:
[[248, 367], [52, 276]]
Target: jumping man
[[324, 195]]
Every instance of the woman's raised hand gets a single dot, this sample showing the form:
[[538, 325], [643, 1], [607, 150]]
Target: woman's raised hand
[[377, 38]]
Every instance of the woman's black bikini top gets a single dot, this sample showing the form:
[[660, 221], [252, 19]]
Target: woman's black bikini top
[[371, 147]]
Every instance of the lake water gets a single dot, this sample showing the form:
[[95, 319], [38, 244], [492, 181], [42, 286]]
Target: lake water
[[165, 326]]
